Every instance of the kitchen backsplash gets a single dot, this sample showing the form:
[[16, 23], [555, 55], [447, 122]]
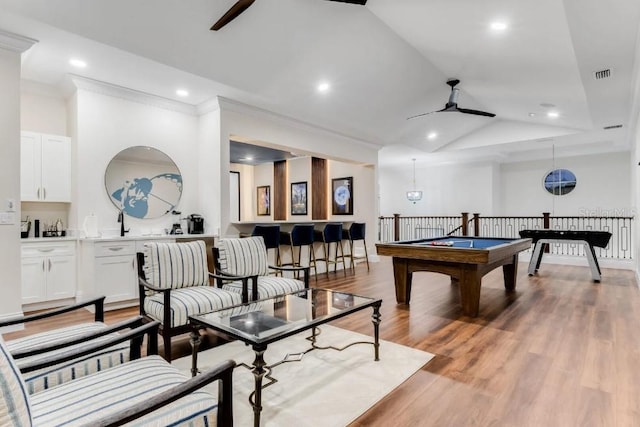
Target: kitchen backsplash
[[47, 213]]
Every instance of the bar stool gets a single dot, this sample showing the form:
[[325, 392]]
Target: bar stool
[[271, 236], [356, 231], [332, 233], [299, 236]]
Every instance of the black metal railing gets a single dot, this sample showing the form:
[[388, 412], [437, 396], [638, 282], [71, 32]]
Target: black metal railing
[[397, 228]]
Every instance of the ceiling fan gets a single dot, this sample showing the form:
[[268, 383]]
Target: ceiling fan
[[452, 104], [242, 5]]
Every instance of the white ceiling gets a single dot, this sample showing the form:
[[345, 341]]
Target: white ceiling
[[385, 61]]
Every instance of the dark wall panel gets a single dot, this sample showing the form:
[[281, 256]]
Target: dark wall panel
[[319, 208], [279, 196]]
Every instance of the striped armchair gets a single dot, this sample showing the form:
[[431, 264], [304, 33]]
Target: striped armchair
[[36, 348], [175, 284], [242, 258], [145, 392]]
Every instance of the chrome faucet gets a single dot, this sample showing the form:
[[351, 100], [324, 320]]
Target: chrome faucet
[[121, 221]]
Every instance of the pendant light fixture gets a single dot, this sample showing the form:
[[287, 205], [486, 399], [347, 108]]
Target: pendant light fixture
[[414, 195]]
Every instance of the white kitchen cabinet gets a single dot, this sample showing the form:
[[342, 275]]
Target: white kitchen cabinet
[[109, 267], [115, 270], [45, 168], [48, 271]]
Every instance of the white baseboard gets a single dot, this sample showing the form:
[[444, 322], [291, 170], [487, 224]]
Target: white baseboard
[[622, 264], [48, 304]]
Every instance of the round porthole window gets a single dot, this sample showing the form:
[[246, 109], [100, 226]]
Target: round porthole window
[[560, 182]]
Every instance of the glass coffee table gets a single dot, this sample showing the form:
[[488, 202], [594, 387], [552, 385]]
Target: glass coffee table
[[260, 323]]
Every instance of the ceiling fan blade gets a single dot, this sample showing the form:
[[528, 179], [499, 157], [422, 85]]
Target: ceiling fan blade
[[362, 2], [235, 10], [452, 104], [476, 112], [424, 114]]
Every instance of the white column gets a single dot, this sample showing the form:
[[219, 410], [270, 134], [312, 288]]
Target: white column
[[11, 47]]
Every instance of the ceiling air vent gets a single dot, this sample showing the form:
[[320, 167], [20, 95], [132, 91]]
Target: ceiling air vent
[[602, 74], [612, 127]]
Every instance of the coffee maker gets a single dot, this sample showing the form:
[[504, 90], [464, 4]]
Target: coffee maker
[[195, 224]]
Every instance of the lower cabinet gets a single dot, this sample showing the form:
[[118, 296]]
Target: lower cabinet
[[48, 271], [115, 271], [109, 267]]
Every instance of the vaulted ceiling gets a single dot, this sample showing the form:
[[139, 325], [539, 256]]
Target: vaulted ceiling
[[384, 62]]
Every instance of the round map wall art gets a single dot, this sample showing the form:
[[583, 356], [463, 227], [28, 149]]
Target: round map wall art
[[560, 182]]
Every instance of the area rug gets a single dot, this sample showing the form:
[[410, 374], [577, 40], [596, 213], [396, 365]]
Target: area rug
[[327, 388]]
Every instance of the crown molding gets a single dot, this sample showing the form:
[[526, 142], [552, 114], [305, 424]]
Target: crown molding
[[15, 42], [122, 92], [208, 106], [250, 110]]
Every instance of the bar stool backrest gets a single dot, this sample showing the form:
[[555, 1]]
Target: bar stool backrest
[[332, 232], [357, 231], [270, 234], [302, 234]]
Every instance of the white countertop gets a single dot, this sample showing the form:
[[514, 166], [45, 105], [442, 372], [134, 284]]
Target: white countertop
[[115, 238]]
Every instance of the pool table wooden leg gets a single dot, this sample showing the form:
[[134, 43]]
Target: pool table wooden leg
[[402, 278], [510, 273], [470, 282]]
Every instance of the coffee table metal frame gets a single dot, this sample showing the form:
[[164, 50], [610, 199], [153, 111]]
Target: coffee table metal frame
[[259, 345]]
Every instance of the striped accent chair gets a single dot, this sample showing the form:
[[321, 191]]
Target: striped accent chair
[[35, 348], [45, 378], [247, 258], [175, 284], [143, 392], [14, 400]]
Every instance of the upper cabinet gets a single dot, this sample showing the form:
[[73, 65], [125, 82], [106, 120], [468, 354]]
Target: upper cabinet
[[45, 168]]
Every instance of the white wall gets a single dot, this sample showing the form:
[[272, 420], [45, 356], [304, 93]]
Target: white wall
[[364, 194], [43, 109], [446, 190], [105, 126], [512, 189], [635, 189], [10, 265], [208, 167], [603, 187]]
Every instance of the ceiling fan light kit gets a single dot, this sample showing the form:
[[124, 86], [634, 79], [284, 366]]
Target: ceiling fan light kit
[[414, 195], [242, 5]]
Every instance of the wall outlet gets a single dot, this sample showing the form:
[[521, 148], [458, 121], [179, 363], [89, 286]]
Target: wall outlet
[[11, 205]]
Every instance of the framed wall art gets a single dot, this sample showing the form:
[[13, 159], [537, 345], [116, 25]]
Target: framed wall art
[[299, 198], [264, 200], [342, 196]]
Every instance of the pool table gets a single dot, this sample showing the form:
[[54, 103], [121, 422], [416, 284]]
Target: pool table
[[464, 259]]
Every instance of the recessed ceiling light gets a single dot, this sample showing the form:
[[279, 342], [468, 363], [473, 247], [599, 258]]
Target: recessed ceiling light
[[532, 114], [324, 87], [78, 63], [499, 26], [553, 114], [432, 135], [182, 92]]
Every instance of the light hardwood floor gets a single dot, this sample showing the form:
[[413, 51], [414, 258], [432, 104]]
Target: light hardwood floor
[[560, 351]]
